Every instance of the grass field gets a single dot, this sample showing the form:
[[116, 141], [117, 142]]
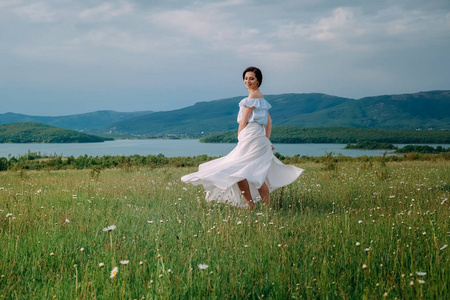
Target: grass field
[[364, 230]]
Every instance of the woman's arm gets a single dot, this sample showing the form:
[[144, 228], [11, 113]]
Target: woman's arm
[[245, 115], [268, 126]]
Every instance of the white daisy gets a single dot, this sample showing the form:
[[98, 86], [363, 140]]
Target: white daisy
[[109, 228], [114, 272]]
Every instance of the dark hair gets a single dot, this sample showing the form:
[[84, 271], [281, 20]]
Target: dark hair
[[257, 72]]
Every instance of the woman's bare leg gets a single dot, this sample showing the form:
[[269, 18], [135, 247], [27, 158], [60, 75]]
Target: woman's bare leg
[[245, 189], [264, 194]]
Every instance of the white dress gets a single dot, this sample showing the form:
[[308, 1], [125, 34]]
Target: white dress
[[251, 159]]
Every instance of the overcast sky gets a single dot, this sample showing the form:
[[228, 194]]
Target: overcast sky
[[60, 57]]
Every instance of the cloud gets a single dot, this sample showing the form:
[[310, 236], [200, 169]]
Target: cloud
[[210, 22], [113, 38], [38, 12], [347, 48], [9, 3], [106, 11]]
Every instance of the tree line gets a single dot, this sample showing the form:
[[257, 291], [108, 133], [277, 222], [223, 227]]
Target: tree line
[[36, 161]]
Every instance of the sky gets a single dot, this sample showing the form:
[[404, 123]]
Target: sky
[[61, 57]]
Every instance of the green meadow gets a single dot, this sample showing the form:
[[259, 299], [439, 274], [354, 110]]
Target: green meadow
[[359, 229]]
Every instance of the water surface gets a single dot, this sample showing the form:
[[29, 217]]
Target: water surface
[[173, 148]]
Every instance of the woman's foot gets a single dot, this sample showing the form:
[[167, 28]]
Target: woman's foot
[[251, 205]]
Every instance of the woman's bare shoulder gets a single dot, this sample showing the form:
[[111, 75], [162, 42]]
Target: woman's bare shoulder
[[256, 95]]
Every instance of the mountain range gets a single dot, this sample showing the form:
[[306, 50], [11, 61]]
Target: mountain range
[[422, 110], [86, 121]]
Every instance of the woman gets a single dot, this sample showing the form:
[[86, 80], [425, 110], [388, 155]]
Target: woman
[[250, 171]]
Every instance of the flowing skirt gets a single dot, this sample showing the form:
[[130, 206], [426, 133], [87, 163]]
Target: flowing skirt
[[251, 159]]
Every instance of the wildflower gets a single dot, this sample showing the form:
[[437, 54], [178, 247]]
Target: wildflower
[[149, 222], [259, 214], [443, 247], [367, 249], [101, 265], [357, 244], [67, 221], [424, 233], [421, 273], [52, 254], [124, 262], [8, 215], [114, 272], [360, 222], [411, 283], [385, 295], [38, 191], [391, 197], [141, 263], [420, 281], [202, 266], [169, 271], [239, 222], [160, 275], [109, 228], [81, 249], [364, 266]]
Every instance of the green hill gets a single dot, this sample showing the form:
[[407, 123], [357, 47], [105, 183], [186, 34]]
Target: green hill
[[424, 110], [29, 132], [342, 135]]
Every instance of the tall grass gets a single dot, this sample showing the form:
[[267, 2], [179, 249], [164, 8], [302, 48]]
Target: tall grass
[[358, 230]]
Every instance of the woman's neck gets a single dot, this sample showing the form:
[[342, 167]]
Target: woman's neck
[[253, 91]]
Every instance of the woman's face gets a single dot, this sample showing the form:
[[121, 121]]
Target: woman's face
[[250, 80]]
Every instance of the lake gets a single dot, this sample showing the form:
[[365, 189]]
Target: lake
[[173, 148]]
